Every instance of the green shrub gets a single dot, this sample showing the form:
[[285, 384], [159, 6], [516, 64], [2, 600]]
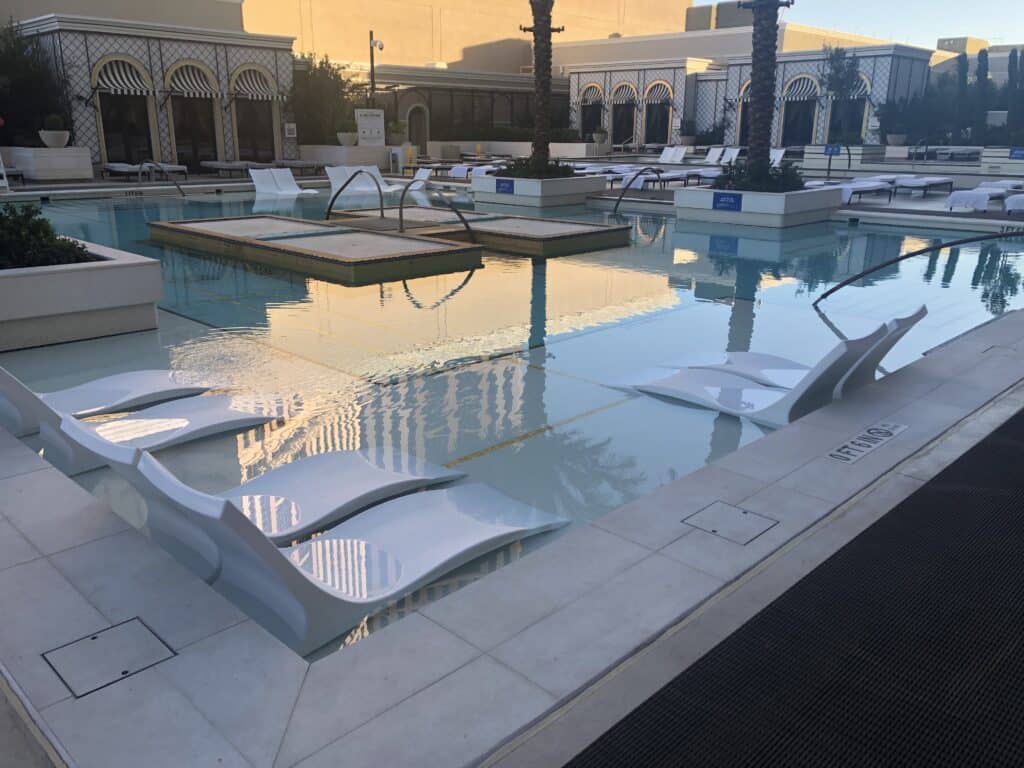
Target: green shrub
[[53, 122], [28, 240], [29, 90], [738, 178], [522, 169], [321, 100]]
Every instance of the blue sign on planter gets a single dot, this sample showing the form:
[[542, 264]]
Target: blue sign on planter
[[727, 201], [505, 186], [1017, 153], [833, 150]]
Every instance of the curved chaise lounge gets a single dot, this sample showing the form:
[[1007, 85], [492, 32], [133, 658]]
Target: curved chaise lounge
[[312, 592], [20, 409], [769, 406]]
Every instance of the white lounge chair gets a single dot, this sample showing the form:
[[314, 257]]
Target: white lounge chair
[[783, 373], [776, 156], [924, 184], [1014, 203], [299, 498], [21, 409], [312, 592], [769, 406], [858, 189], [713, 156], [1010, 184], [975, 199], [264, 182], [421, 178], [286, 183], [374, 171], [729, 156]]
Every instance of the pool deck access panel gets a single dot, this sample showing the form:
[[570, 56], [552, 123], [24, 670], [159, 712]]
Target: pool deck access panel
[[350, 256], [534, 237]]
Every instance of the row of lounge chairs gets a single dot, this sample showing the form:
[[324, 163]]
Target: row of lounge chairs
[[307, 549], [774, 391], [703, 170], [228, 167]]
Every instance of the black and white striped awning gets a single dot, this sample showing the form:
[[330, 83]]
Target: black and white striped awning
[[659, 94], [624, 95], [802, 89], [860, 91], [189, 80], [122, 78], [252, 84], [591, 95]]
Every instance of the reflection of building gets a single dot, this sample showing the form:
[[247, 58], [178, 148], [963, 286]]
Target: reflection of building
[[140, 89]]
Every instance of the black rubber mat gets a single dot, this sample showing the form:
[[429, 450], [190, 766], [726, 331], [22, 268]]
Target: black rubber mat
[[905, 648]]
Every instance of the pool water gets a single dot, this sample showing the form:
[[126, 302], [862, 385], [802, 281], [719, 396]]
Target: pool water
[[512, 373]]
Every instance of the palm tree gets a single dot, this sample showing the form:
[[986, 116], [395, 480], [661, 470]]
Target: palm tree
[[762, 82], [542, 31]]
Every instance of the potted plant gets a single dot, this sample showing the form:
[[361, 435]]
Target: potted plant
[[687, 133], [397, 133], [892, 119], [348, 135], [54, 134], [600, 135]]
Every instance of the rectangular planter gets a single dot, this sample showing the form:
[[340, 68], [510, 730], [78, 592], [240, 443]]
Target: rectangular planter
[[45, 164], [536, 193], [70, 302], [329, 154], [758, 209]]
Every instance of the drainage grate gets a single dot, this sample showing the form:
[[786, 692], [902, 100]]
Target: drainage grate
[[103, 658], [904, 648]]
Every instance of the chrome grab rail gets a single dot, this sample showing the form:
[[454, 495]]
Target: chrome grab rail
[[626, 186], [445, 200], [919, 252], [153, 165], [349, 180]]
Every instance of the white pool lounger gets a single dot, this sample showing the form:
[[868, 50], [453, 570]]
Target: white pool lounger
[[21, 409], [769, 406]]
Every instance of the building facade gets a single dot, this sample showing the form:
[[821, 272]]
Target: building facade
[[141, 90]]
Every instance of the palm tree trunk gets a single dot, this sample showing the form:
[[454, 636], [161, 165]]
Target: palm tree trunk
[[541, 156], [762, 82]]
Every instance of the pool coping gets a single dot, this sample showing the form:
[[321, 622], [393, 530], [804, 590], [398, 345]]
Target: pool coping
[[459, 678]]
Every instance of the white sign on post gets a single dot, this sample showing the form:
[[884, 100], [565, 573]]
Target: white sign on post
[[370, 123]]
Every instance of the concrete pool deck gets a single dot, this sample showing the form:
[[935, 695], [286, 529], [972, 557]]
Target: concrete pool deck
[[501, 659]]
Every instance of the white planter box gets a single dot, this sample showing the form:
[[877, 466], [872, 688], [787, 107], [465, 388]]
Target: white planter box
[[69, 302], [45, 164], [329, 154], [536, 193], [758, 209]]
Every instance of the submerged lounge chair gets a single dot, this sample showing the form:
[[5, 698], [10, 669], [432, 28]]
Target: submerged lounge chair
[[21, 409], [769, 406], [312, 592], [780, 372], [286, 182]]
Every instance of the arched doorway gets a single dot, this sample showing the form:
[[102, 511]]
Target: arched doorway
[[591, 107], [799, 111], [847, 119], [419, 127], [193, 115], [624, 115], [743, 117], [254, 100], [657, 114], [125, 111]]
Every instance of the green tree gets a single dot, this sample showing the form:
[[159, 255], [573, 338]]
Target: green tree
[[321, 101], [764, 58], [29, 90], [842, 78], [982, 98]]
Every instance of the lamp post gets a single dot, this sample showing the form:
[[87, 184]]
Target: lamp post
[[375, 45]]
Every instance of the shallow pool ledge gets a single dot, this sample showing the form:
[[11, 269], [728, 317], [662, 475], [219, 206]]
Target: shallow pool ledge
[[467, 677]]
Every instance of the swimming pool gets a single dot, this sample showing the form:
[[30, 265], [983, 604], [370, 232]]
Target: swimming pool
[[510, 372]]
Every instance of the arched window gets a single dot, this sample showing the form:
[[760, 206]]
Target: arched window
[[125, 94], [846, 121], [194, 116], [255, 101], [624, 114], [591, 107], [657, 113], [799, 111]]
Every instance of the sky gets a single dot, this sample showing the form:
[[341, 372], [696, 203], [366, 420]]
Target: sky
[[918, 22]]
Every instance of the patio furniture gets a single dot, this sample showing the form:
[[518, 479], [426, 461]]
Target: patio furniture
[[783, 373], [776, 156], [311, 592], [975, 199], [729, 156], [130, 169], [286, 183], [713, 156], [299, 165], [924, 183], [230, 167], [264, 182], [1003, 184], [859, 188], [1013, 204], [22, 410], [339, 174], [769, 406]]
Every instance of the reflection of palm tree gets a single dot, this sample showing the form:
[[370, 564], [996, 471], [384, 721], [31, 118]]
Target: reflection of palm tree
[[950, 269], [998, 279]]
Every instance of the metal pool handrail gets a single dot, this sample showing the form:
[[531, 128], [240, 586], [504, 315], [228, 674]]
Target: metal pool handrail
[[349, 180], [445, 200], [155, 166], [919, 252], [626, 186]]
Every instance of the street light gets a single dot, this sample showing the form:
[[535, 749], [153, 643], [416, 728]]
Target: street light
[[375, 45]]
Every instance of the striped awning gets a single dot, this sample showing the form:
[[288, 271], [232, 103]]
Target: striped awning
[[251, 84], [122, 78], [189, 80], [802, 89], [659, 94], [860, 91], [624, 95], [591, 95]]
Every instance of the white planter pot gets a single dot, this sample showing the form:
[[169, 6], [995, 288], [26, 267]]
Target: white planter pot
[[55, 139], [896, 139], [758, 209], [536, 193], [69, 302], [347, 139]]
